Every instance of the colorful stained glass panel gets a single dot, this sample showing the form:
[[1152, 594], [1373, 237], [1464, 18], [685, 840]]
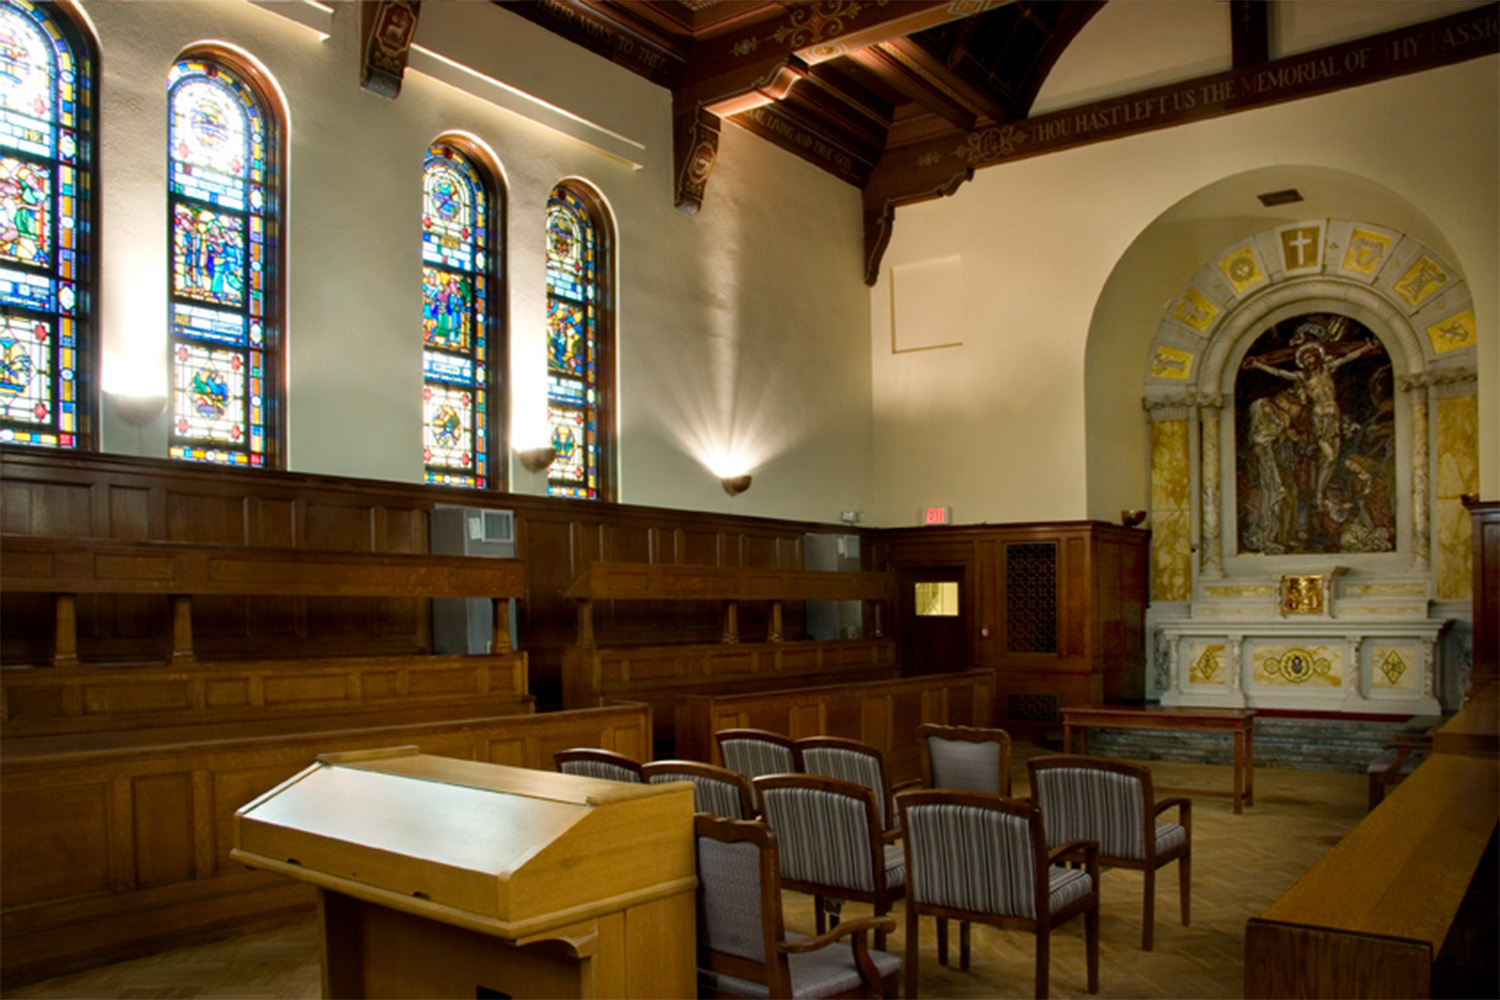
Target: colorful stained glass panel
[[26, 394], [208, 255], [570, 247], [211, 387], [25, 213], [28, 82], [211, 136], [448, 425], [447, 309]]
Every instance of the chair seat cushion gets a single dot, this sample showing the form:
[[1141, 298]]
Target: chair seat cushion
[[1169, 836], [1066, 885], [823, 973]]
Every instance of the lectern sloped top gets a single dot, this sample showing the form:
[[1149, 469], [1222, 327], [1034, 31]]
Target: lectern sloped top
[[509, 851]]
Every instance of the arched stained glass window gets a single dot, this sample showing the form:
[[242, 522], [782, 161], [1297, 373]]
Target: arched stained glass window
[[458, 289], [46, 149], [578, 369], [223, 203]]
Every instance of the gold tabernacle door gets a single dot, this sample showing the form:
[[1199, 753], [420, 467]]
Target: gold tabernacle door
[[444, 877]]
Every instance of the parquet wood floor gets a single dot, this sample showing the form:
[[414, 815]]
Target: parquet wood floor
[[1241, 865]]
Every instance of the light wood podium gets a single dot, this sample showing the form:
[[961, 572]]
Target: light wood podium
[[451, 878]]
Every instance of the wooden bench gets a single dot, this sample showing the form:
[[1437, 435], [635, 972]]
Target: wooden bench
[[663, 674], [884, 714], [1386, 912], [121, 847]]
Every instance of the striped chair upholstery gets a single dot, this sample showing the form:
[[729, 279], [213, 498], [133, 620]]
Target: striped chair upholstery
[[852, 761], [1113, 802], [966, 758], [743, 949], [754, 752], [716, 790], [977, 857], [592, 762], [830, 841]]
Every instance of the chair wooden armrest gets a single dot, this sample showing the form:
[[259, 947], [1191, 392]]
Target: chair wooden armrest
[[860, 930], [1074, 851], [1184, 808], [862, 926], [904, 786]]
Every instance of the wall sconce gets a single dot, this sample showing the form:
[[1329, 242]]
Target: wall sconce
[[735, 485], [138, 410], [537, 459]]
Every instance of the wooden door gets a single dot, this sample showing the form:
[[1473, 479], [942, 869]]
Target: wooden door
[[933, 607]]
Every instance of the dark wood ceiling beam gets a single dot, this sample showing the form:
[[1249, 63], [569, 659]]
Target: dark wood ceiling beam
[[942, 76], [1249, 32], [935, 168], [608, 31], [915, 85]]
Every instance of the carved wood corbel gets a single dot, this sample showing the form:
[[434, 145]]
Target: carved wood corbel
[[695, 148], [386, 29]]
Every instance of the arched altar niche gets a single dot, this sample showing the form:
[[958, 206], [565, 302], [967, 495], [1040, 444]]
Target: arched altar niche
[[1291, 390]]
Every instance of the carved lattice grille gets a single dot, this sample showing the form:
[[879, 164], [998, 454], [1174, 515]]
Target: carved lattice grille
[[1031, 598]]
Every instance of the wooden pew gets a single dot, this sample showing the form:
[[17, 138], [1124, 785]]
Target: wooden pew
[[67, 696], [883, 713], [663, 674], [113, 851], [1390, 911]]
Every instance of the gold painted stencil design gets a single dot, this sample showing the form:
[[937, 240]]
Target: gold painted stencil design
[[1296, 666], [1393, 667], [1172, 363], [1454, 333], [1242, 269], [1207, 666], [1196, 310], [1366, 252]]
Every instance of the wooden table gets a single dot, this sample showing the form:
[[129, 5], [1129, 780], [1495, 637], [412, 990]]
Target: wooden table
[[1236, 720]]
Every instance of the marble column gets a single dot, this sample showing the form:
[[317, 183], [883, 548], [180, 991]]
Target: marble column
[[1211, 555]]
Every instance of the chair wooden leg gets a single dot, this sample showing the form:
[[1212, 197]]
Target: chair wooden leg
[[963, 945], [880, 911], [820, 920], [1043, 960], [1184, 873], [911, 950], [1091, 945], [942, 940], [1148, 919]]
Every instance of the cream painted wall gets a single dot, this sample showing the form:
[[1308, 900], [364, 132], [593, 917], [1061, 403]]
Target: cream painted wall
[[1038, 414], [742, 331]]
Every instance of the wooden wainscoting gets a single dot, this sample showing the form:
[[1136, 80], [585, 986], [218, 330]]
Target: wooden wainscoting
[[111, 852], [884, 714]]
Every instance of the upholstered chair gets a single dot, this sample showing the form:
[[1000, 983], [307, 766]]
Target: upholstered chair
[[965, 759], [716, 790], [831, 845], [743, 947], [976, 857], [754, 752], [592, 762], [851, 760], [1113, 802]]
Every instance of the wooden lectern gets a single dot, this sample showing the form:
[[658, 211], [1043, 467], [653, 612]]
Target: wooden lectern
[[451, 878]]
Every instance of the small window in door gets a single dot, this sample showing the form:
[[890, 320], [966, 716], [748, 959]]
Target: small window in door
[[937, 599]]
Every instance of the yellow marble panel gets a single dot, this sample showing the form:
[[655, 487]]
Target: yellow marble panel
[[1206, 663], [1170, 482], [1455, 551], [1454, 332], [1196, 310], [1387, 590], [1394, 667], [1242, 269], [1367, 251], [1292, 666], [1421, 280], [1252, 590], [1171, 557], [1457, 446], [1170, 363]]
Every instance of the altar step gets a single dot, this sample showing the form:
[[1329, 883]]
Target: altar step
[[1298, 743]]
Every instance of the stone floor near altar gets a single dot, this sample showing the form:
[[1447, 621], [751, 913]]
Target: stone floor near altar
[[1240, 865]]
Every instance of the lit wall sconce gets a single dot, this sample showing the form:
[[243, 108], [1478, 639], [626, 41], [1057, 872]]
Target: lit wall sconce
[[735, 485], [138, 410], [537, 459]]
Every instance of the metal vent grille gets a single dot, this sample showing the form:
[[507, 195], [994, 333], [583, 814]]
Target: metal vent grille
[[1031, 598]]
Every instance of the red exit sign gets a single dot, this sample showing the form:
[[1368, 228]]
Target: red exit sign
[[937, 515]]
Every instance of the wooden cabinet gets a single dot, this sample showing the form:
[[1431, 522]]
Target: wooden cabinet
[[442, 877], [1056, 609], [1486, 519]]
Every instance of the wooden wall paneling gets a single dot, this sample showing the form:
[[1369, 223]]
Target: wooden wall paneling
[[210, 519], [1485, 518], [274, 522], [129, 513]]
